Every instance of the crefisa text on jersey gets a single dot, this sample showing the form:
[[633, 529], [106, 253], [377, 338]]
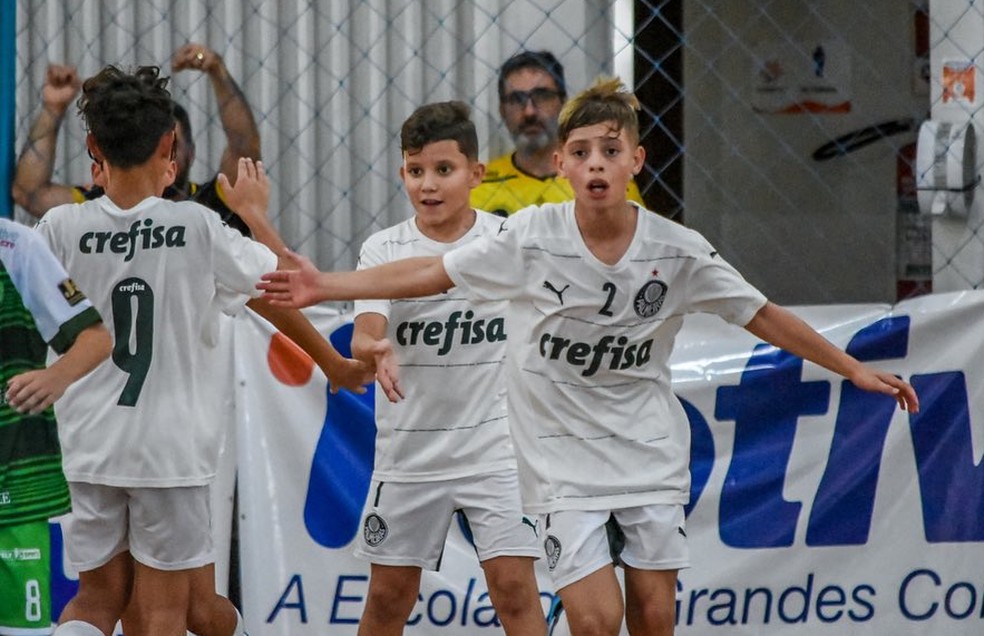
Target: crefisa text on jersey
[[464, 325], [147, 237]]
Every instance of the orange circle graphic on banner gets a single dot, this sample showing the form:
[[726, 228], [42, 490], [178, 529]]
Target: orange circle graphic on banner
[[288, 362]]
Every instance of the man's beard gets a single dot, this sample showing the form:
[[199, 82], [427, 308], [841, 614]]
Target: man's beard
[[545, 139]]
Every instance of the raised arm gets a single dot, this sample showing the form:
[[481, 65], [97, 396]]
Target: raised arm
[[249, 198], [242, 136], [783, 329], [34, 391], [298, 283], [32, 188]]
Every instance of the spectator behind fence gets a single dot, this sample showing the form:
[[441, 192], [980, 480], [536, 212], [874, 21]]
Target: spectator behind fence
[[34, 191], [442, 454], [40, 307], [140, 435], [532, 91], [598, 290]]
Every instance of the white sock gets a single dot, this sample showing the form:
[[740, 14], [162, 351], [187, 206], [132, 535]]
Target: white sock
[[240, 628], [77, 628]]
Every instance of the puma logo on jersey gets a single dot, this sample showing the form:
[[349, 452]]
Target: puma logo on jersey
[[617, 351], [461, 327], [148, 237], [560, 292]]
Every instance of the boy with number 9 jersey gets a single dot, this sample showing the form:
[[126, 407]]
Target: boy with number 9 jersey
[[140, 434]]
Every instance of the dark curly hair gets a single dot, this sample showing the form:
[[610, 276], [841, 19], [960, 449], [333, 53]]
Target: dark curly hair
[[127, 113]]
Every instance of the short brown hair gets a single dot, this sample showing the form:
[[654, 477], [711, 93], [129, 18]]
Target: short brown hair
[[608, 100], [440, 121]]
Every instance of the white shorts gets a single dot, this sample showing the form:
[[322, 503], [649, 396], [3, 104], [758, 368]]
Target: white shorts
[[579, 542], [162, 528], [406, 523]]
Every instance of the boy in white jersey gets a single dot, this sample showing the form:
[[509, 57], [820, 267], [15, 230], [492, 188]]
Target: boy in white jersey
[[598, 288], [446, 449], [140, 433]]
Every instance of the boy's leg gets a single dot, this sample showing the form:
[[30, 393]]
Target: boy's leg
[[160, 600], [392, 594], [515, 595], [96, 545], [506, 543], [655, 549], [171, 542], [579, 551], [650, 597], [103, 594], [593, 604], [210, 614]]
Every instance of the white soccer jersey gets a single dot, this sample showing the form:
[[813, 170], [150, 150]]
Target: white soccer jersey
[[149, 415], [593, 416], [453, 420]]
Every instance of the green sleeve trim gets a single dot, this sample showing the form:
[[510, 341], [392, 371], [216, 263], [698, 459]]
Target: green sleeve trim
[[71, 329]]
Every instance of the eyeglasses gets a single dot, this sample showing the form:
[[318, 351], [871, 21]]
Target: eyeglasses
[[540, 96]]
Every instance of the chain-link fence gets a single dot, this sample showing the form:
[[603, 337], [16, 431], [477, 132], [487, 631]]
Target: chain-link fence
[[775, 128]]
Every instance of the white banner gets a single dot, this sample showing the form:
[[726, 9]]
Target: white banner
[[815, 507]]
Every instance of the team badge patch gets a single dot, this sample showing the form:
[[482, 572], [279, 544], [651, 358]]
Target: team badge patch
[[71, 293], [650, 298], [552, 547], [374, 530]]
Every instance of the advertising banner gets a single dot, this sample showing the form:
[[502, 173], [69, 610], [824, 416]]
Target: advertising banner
[[815, 507]]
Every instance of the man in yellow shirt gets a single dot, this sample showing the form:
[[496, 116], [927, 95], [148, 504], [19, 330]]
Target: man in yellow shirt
[[531, 93]]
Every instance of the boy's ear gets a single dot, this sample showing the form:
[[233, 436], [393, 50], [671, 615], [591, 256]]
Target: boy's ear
[[165, 144], [638, 159], [477, 174], [93, 147], [558, 160]]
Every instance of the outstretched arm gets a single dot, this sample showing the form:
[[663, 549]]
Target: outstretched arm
[[32, 187], [781, 328], [342, 372], [242, 136], [34, 391], [298, 283]]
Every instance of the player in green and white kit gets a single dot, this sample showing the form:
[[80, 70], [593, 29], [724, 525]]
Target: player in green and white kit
[[39, 307]]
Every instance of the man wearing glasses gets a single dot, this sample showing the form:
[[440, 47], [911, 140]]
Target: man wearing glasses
[[531, 93]]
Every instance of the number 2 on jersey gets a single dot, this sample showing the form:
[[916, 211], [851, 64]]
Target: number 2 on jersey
[[133, 321]]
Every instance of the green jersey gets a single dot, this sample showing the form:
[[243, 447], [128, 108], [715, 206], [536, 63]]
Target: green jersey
[[39, 307]]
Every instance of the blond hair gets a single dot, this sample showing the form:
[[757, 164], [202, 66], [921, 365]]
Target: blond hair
[[608, 100]]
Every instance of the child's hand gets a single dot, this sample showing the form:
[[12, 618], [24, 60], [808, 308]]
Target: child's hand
[[879, 382], [350, 374], [294, 285], [387, 370], [250, 196], [34, 391]]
